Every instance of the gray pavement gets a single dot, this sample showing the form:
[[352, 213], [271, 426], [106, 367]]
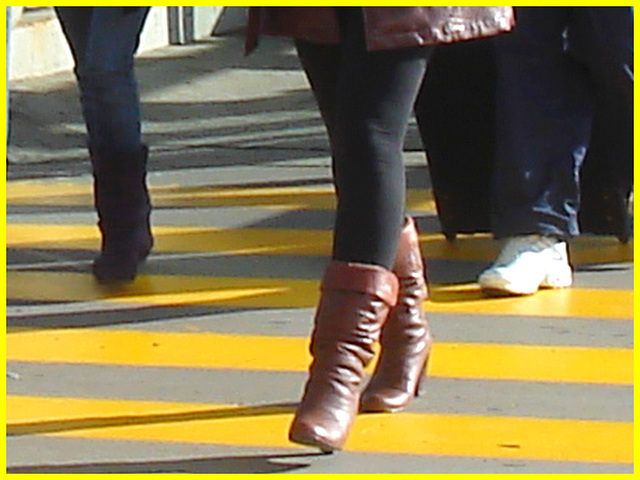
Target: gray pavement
[[216, 119]]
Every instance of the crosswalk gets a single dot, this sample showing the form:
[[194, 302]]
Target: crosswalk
[[204, 355]]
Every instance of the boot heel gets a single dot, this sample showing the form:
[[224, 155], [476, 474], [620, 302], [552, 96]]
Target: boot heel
[[420, 386]]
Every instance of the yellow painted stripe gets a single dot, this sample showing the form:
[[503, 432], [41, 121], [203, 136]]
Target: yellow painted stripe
[[178, 239], [64, 193], [267, 426], [569, 302], [272, 353], [291, 242], [176, 290], [30, 190]]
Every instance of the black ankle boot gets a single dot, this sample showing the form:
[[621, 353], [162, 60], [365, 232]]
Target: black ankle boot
[[124, 209]]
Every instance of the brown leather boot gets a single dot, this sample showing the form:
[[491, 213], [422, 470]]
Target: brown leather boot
[[406, 338], [355, 301]]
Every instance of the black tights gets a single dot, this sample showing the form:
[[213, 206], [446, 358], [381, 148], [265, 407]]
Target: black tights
[[365, 99]]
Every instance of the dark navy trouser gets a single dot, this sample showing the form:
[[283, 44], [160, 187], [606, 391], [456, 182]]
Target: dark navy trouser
[[552, 70]]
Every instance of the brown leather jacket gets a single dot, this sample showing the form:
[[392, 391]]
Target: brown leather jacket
[[386, 28]]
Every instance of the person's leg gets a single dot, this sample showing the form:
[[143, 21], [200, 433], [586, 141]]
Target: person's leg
[[7, 99], [405, 337], [366, 107], [321, 64], [602, 39], [544, 113], [103, 41], [366, 99]]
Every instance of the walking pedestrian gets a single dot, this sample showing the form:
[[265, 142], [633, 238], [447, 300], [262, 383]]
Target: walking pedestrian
[[103, 41], [365, 66]]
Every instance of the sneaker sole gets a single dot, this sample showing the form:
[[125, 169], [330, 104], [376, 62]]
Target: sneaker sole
[[507, 291]]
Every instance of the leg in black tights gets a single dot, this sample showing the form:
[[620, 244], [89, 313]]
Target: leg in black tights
[[365, 99]]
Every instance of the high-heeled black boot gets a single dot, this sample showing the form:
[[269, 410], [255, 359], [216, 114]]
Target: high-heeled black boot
[[122, 202]]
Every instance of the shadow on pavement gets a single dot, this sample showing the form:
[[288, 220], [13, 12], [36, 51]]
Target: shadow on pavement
[[58, 426], [236, 464]]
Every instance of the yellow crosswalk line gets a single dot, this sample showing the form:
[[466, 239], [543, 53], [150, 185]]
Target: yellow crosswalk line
[[267, 426], [178, 239], [175, 290], [570, 302], [164, 290], [25, 192], [274, 353], [69, 194], [257, 241]]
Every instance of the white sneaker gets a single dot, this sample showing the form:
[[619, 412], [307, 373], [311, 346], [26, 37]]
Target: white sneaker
[[527, 263]]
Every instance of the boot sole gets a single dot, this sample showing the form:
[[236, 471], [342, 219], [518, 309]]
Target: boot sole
[[117, 279], [311, 441]]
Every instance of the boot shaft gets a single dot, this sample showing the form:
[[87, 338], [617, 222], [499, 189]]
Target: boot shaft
[[354, 304], [409, 267], [405, 339], [121, 195]]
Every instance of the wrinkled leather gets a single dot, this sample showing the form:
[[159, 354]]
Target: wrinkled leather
[[386, 28], [355, 302], [406, 338]]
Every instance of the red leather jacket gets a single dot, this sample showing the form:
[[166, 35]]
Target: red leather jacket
[[386, 28]]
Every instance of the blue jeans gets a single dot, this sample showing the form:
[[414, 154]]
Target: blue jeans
[[103, 41], [8, 61], [553, 71]]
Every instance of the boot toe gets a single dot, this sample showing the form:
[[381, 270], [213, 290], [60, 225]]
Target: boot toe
[[115, 268], [315, 435], [119, 261]]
